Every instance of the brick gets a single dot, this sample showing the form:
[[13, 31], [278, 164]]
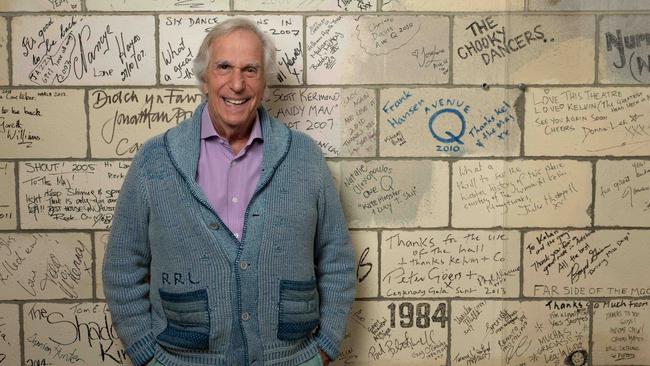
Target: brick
[[587, 121], [392, 193], [620, 334], [580, 263], [7, 196], [587, 5], [366, 248], [31, 5], [122, 119], [377, 334], [35, 125], [89, 50], [156, 5], [9, 337], [449, 122], [181, 36], [4, 55], [537, 193], [450, 264], [101, 240], [65, 334], [45, 266], [497, 332], [511, 49], [341, 121], [622, 192], [69, 194], [304, 6], [377, 49], [624, 50], [453, 5]]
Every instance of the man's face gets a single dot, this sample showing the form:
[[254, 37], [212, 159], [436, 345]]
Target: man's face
[[234, 81]]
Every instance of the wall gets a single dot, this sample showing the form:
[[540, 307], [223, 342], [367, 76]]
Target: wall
[[492, 157]]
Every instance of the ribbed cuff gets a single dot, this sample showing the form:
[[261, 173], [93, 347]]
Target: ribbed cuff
[[329, 347], [142, 351]]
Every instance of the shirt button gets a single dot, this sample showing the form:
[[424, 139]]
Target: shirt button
[[243, 265], [235, 199], [245, 317], [214, 226]]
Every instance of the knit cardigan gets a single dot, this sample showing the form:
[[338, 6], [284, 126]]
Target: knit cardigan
[[182, 288]]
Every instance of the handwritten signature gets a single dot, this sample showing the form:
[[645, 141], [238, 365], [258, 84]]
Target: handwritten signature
[[429, 58]]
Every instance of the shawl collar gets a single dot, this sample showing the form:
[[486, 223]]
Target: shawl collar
[[183, 141]]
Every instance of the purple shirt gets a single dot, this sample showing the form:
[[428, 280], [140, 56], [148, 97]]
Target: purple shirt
[[229, 181]]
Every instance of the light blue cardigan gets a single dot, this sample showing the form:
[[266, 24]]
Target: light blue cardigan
[[181, 287]]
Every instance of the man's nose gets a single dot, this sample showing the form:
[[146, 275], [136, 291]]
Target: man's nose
[[237, 80]]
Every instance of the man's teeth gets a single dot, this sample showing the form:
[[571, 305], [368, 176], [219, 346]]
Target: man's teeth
[[235, 101]]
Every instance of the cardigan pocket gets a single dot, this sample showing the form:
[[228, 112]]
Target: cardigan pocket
[[298, 309], [188, 320]]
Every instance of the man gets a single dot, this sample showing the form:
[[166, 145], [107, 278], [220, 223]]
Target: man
[[228, 244]]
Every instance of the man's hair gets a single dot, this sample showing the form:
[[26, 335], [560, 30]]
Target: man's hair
[[202, 59]]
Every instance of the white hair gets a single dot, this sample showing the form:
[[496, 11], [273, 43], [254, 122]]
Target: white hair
[[226, 27]]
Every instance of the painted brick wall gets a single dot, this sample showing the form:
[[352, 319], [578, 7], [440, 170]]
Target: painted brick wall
[[493, 158]]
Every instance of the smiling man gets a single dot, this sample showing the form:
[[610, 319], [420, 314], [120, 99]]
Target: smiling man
[[228, 244]]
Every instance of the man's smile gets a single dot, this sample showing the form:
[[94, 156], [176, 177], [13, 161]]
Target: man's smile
[[235, 101]]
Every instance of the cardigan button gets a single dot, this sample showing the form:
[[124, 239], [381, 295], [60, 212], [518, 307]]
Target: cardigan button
[[245, 316], [243, 265], [214, 226]]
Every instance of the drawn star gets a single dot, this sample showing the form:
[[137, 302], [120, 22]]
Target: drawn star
[[635, 116], [533, 357], [539, 327]]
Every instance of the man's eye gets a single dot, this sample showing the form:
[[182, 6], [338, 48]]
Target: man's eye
[[222, 66], [251, 70]]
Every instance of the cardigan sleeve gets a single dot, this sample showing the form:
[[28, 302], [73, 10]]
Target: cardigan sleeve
[[126, 268], [335, 264]]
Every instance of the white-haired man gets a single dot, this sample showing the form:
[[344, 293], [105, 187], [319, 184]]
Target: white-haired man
[[228, 244]]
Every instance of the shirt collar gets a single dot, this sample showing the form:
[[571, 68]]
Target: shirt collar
[[208, 130]]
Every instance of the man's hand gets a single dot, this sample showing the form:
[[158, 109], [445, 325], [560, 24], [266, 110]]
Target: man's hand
[[325, 358]]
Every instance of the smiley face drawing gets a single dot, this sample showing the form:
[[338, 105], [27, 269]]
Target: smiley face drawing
[[576, 358]]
